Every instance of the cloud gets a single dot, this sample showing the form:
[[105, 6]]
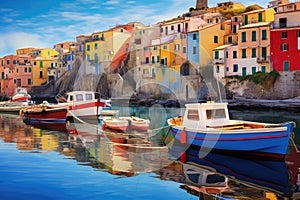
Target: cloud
[[111, 2], [11, 41]]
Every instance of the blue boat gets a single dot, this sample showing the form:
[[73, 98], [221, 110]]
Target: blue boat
[[207, 125]]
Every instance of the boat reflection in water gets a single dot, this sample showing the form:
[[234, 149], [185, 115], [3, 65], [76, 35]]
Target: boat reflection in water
[[231, 176], [123, 154]]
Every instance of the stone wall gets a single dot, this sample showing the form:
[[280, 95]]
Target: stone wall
[[286, 86]]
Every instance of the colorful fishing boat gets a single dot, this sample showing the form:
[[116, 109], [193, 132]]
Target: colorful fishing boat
[[208, 125], [125, 123], [78, 104]]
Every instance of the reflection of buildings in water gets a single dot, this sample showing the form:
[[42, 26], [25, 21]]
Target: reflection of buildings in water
[[119, 154], [293, 164]]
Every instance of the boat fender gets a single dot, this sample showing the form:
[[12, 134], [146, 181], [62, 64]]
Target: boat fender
[[103, 126], [183, 137], [21, 112]]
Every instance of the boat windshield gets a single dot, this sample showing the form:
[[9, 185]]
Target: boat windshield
[[215, 114]]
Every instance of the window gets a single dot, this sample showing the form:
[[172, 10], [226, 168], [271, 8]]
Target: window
[[14, 62], [298, 33], [263, 69], [29, 81], [79, 97], [153, 59], [166, 30], [234, 54], [217, 20], [253, 70], [41, 74], [216, 54], [7, 62], [216, 39], [88, 57], [243, 36], [25, 69], [253, 52], [235, 68], [34, 63], [177, 47], [193, 115], [147, 60], [218, 69], [260, 17], [284, 47], [88, 47], [226, 54], [230, 39], [215, 114], [194, 50], [178, 28], [88, 97], [95, 46], [244, 53], [194, 36], [253, 36], [158, 59], [283, 35], [264, 52], [264, 35], [165, 47], [186, 26], [184, 50], [172, 28], [41, 64], [282, 22], [29, 70]]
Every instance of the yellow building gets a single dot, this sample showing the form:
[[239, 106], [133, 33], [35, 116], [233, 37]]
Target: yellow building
[[23, 51], [105, 46], [40, 67], [210, 37], [47, 52], [256, 16]]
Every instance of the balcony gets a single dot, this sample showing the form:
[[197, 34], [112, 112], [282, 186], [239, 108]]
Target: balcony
[[219, 61], [264, 59]]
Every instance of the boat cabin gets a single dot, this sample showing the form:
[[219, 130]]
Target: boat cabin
[[205, 115], [77, 96]]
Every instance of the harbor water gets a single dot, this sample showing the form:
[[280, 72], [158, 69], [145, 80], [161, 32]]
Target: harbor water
[[39, 163]]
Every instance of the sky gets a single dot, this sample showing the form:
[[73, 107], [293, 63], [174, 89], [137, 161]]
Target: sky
[[41, 24]]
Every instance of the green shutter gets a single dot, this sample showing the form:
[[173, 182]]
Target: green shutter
[[244, 53], [216, 54], [243, 36], [259, 17], [41, 64], [254, 53], [264, 35], [246, 19], [253, 36], [244, 71], [253, 70], [263, 69]]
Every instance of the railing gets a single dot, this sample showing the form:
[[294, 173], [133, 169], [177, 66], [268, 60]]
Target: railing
[[263, 59], [219, 61]]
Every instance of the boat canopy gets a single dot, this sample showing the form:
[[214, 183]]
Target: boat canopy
[[76, 96], [205, 115]]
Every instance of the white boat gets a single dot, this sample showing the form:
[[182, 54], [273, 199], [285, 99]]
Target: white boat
[[21, 99], [125, 123]]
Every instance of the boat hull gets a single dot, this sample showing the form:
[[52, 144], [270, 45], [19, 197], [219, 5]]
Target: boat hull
[[55, 116], [271, 141]]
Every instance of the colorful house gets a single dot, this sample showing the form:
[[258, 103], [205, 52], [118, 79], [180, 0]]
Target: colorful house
[[254, 41], [108, 48], [210, 37], [8, 80], [40, 66], [285, 38], [23, 74]]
